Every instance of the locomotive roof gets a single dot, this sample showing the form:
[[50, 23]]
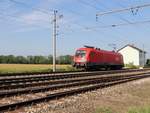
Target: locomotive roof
[[97, 49]]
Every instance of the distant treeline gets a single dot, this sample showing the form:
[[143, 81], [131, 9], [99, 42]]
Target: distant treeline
[[11, 59]]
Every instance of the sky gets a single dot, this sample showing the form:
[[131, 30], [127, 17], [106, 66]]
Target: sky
[[26, 25]]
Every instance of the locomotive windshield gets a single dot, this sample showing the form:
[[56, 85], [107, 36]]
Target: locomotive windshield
[[80, 53]]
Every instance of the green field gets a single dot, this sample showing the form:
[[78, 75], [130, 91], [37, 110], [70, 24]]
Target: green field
[[23, 68]]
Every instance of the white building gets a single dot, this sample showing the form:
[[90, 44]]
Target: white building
[[134, 55]]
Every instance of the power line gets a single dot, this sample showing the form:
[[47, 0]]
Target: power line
[[122, 6], [122, 24], [26, 5], [43, 11], [117, 16], [120, 17], [85, 3], [86, 27], [123, 10], [4, 16]]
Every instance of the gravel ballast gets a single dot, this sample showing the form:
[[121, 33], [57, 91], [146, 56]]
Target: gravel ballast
[[117, 99]]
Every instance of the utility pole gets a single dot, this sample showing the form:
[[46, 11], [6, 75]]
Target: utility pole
[[54, 37], [54, 40]]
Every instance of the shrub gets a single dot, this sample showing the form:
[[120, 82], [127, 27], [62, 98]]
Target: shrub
[[131, 65]]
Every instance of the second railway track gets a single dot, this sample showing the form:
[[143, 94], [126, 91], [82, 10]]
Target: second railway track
[[34, 78], [65, 84]]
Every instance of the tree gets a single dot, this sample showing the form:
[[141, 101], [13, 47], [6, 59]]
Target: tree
[[7, 59], [50, 59], [66, 59], [21, 60], [2, 59], [30, 59]]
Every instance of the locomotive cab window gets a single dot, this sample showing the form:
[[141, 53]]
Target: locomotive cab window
[[80, 53]]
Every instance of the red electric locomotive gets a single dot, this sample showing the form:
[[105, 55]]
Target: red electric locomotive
[[95, 58]]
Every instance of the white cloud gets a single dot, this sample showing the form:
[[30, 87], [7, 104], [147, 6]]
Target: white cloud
[[36, 18]]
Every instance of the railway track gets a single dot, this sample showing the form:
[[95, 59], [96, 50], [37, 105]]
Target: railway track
[[30, 75], [13, 84], [33, 78], [36, 73], [64, 84], [82, 84], [12, 89]]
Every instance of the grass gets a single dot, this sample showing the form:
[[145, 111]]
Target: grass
[[25, 68], [145, 109], [131, 65], [103, 110]]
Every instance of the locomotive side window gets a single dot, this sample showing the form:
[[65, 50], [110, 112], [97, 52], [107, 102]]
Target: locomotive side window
[[80, 53]]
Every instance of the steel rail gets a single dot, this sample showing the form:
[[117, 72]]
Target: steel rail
[[62, 94], [53, 77], [65, 85], [35, 73], [43, 83], [26, 76]]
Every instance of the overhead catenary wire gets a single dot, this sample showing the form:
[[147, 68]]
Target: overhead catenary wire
[[123, 9], [123, 19], [4, 17], [90, 5], [86, 28], [40, 10], [46, 12], [127, 20], [87, 4], [116, 16], [121, 24], [37, 9]]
